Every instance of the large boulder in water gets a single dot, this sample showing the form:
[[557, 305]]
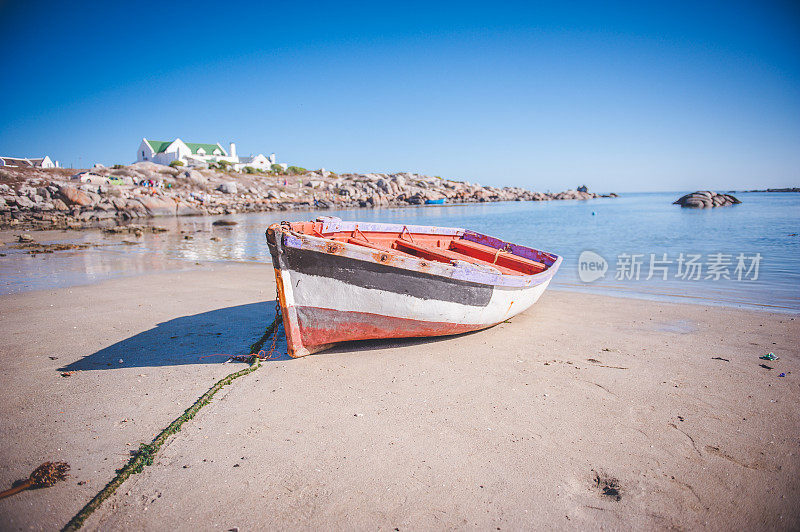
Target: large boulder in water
[[703, 199]]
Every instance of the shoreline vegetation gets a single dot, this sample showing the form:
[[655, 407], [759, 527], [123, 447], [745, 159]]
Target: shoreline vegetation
[[61, 198]]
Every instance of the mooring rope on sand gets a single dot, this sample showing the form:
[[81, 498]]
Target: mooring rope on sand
[[146, 453]]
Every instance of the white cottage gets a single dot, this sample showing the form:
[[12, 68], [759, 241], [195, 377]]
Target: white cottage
[[30, 162], [259, 162], [165, 151], [198, 154]]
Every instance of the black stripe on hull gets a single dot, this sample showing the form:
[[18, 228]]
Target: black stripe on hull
[[366, 274]]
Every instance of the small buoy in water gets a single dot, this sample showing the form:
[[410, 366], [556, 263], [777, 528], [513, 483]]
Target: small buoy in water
[[593, 213]]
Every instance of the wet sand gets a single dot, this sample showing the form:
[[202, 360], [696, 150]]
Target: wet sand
[[584, 412]]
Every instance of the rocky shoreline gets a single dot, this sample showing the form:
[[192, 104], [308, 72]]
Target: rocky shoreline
[[101, 197], [791, 189]]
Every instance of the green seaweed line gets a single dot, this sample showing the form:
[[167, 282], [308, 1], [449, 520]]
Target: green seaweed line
[[147, 452]]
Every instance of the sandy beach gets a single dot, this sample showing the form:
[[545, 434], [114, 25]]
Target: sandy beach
[[584, 412]]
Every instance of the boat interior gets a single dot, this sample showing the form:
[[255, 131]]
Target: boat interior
[[446, 248]]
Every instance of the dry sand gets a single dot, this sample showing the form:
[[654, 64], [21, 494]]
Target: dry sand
[[518, 426]]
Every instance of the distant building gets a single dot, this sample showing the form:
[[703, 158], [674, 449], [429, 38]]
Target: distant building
[[164, 152], [198, 154], [259, 162], [36, 162]]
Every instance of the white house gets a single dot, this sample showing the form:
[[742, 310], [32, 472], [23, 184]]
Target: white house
[[259, 162], [35, 162], [165, 151], [198, 154]]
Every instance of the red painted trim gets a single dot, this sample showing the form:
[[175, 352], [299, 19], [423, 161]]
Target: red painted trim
[[321, 326]]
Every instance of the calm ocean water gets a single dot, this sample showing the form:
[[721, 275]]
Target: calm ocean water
[[747, 255]]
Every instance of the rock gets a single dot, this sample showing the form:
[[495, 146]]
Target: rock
[[72, 196], [157, 206], [119, 203], [732, 199], [224, 222], [105, 206], [193, 176], [227, 188], [146, 167], [102, 215], [187, 209], [93, 196], [24, 202], [481, 195], [59, 205], [705, 199]]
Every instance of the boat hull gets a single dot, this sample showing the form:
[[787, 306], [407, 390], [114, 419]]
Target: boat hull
[[330, 297]]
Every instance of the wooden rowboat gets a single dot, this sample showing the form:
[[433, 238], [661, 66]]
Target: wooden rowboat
[[340, 281]]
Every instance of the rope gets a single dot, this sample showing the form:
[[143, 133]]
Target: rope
[[496, 254], [405, 231], [147, 452], [256, 350], [359, 232]]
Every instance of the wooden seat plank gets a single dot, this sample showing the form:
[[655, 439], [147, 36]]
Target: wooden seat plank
[[504, 258], [447, 256]]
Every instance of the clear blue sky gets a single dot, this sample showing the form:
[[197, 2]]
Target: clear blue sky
[[621, 96]]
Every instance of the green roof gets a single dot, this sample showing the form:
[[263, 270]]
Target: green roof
[[159, 146], [208, 148]]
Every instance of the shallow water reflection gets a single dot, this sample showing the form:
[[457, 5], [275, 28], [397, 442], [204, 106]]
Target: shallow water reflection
[[632, 224]]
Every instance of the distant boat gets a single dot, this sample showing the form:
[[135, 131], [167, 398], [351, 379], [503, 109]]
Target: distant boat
[[439, 201], [340, 281]]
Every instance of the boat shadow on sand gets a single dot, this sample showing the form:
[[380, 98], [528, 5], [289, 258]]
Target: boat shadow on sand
[[205, 338], [211, 338]]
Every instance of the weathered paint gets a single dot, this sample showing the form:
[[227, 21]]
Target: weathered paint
[[377, 276], [325, 292], [321, 325], [338, 290], [545, 258]]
